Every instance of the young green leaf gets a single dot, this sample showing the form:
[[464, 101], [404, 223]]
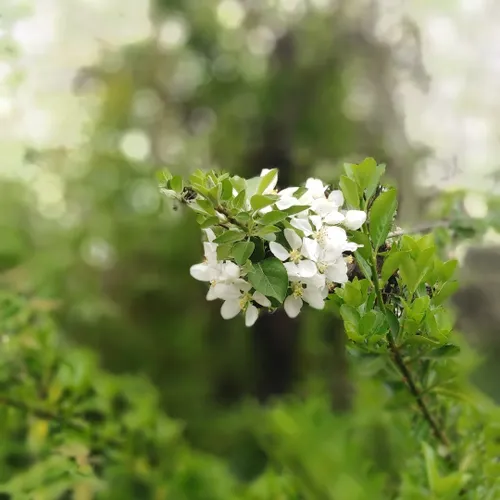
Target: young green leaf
[[391, 263], [267, 179], [226, 190], [239, 200], [177, 184], [230, 236], [273, 217], [270, 278], [382, 216], [350, 190], [258, 201], [374, 181], [365, 172]]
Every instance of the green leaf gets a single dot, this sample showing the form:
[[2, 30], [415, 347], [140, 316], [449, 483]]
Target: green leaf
[[373, 323], [209, 222], [382, 217], [252, 185], [273, 217], [374, 181], [270, 278], [259, 253], [258, 201], [239, 201], [391, 263], [430, 465], [230, 236], [299, 192], [242, 251], [352, 295], [177, 184], [364, 172], [267, 230], [243, 217], [267, 179], [296, 209], [351, 322], [363, 254], [349, 170], [227, 190], [447, 270], [393, 322], [445, 292], [350, 190], [206, 206], [444, 351], [408, 272], [224, 251], [424, 264]]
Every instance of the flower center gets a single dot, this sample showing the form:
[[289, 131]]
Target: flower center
[[297, 289], [322, 267], [321, 236], [244, 301], [295, 256]]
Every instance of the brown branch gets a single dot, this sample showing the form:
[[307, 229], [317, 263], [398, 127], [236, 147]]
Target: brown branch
[[401, 365]]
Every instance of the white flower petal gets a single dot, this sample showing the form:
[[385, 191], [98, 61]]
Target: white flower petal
[[242, 285], [261, 299], [210, 235], [337, 272], [334, 217], [314, 298], [202, 272], [310, 249], [317, 221], [226, 291], [307, 268], [288, 192], [285, 203], [212, 293], [251, 315], [302, 224], [336, 197], [278, 250], [293, 239], [230, 309], [292, 270], [230, 270], [317, 281], [315, 187], [210, 252], [354, 219], [292, 306]]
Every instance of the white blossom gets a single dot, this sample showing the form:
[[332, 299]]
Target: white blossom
[[297, 261], [233, 305], [303, 291]]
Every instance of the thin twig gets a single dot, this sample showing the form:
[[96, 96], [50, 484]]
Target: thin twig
[[422, 228], [231, 219]]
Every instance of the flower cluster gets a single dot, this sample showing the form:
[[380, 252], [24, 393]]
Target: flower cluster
[[308, 241]]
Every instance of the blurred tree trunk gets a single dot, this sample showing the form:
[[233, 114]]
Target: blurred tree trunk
[[275, 335]]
